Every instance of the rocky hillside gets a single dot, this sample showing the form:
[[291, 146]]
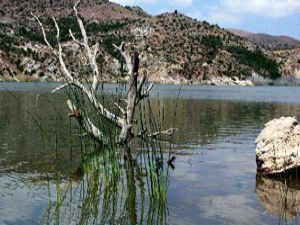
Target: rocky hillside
[[285, 50], [267, 41], [172, 46], [289, 61]]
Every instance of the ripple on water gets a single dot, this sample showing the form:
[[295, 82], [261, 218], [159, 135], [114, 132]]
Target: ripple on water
[[21, 199], [214, 177]]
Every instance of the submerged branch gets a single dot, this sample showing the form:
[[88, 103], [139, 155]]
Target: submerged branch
[[156, 135]]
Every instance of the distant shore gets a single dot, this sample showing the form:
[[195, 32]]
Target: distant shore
[[214, 81]]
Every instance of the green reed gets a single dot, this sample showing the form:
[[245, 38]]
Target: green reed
[[119, 184]]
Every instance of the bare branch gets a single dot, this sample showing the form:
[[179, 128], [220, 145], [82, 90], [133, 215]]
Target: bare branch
[[126, 57], [80, 23], [132, 63], [70, 80], [91, 56], [124, 100], [74, 39], [134, 95], [149, 88], [95, 50], [120, 108], [43, 31], [141, 83], [147, 92], [98, 106], [87, 124], [61, 87], [168, 132], [57, 30]]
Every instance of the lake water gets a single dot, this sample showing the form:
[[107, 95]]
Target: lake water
[[214, 180]]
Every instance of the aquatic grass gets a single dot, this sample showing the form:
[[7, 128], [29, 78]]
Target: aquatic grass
[[117, 185], [120, 185], [107, 149], [152, 155], [113, 204]]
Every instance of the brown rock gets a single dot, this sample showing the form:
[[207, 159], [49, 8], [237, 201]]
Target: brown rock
[[278, 146]]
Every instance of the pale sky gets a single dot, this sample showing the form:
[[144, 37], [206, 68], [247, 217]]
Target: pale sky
[[277, 17]]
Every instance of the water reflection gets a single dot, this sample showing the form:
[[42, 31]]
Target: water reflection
[[110, 194], [35, 132], [215, 165], [86, 183], [280, 197], [202, 122], [25, 115]]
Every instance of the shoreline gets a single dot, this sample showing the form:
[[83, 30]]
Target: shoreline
[[254, 80], [209, 83]]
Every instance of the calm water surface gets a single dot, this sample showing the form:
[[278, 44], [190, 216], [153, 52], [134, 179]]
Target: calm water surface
[[214, 180]]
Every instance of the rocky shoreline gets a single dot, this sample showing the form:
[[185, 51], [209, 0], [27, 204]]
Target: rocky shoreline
[[214, 81]]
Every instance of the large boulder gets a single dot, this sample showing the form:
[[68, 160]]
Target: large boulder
[[278, 146]]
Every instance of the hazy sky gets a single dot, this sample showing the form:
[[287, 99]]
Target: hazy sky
[[277, 17]]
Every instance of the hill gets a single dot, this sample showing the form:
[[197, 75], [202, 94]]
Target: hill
[[268, 41], [172, 46], [289, 61]]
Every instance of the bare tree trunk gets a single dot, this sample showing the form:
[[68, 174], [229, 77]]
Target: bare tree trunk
[[135, 92]]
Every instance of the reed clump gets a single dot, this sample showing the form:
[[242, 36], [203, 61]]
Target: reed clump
[[125, 171]]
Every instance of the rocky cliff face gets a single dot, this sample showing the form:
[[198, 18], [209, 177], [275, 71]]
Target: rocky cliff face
[[173, 47]]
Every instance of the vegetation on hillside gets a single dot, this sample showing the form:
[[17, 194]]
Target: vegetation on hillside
[[257, 60], [175, 46]]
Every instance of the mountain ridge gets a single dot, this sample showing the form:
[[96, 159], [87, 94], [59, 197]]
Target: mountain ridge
[[270, 42], [173, 47]]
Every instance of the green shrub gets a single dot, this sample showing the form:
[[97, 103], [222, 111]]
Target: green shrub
[[6, 43], [64, 23], [212, 41], [107, 43], [105, 26], [36, 36], [256, 59]]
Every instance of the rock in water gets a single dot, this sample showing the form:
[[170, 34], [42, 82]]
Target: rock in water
[[278, 146]]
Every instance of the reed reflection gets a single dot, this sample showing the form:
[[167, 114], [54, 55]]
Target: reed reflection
[[112, 187]]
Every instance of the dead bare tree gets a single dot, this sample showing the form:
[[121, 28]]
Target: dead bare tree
[[138, 89]]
